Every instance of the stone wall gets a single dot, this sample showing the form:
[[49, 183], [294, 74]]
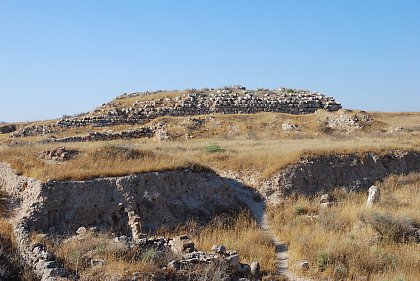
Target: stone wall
[[143, 132], [234, 100], [197, 102]]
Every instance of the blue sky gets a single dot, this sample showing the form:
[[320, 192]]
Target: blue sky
[[67, 57]]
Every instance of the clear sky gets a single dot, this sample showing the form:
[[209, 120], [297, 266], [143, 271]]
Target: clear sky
[[67, 57]]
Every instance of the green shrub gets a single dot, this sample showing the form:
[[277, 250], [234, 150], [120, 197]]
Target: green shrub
[[150, 255], [214, 148], [322, 261], [300, 211], [340, 271], [395, 229]]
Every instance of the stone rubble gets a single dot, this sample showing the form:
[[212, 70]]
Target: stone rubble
[[35, 255], [197, 102], [187, 257], [34, 130], [230, 100], [143, 132], [344, 120], [59, 154]]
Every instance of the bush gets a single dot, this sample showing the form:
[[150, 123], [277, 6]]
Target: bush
[[214, 148], [395, 229], [322, 261], [300, 210], [111, 151]]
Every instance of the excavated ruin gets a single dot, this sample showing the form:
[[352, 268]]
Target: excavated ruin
[[131, 205]]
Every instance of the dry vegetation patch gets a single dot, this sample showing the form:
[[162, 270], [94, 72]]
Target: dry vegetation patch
[[262, 158], [97, 257], [349, 241], [251, 143]]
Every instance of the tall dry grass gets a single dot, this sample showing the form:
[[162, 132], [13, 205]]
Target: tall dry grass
[[250, 143], [339, 245], [263, 158], [120, 262]]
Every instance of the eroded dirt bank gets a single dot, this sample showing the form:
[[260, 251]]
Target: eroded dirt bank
[[168, 198], [133, 204], [353, 172], [156, 198]]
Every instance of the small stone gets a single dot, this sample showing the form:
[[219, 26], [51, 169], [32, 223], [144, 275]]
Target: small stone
[[233, 260], [81, 231], [255, 269], [97, 262], [303, 265], [374, 196], [182, 244], [244, 269], [176, 265], [218, 249]]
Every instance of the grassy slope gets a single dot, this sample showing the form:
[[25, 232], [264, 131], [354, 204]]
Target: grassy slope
[[338, 245], [254, 142]]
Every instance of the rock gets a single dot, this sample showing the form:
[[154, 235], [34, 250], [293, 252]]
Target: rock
[[54, 272], [374, 196], [326, 201], [59, 154], [5, 129], [175, 265], [81, 231], [97, 262], [255, 269], [303, 265], [233, 261], [244, 269], [218, 249], [287, 126], [182, 244]]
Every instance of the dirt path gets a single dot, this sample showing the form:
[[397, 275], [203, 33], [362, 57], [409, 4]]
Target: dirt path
[[257, 208]]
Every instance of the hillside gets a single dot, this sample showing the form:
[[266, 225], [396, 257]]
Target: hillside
[[227, 166]]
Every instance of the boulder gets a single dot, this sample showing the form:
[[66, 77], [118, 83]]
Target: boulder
[[326, 201], [97, 262], [303, 265], [5, 129], [255, 269], [182, 244], [218, 249], [374, 196]]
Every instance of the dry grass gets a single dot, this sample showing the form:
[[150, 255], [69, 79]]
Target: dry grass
[[262, 158], [339, 245], [119, 260], [250, 143]]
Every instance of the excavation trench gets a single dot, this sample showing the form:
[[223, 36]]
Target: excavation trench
[[144, 202]]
